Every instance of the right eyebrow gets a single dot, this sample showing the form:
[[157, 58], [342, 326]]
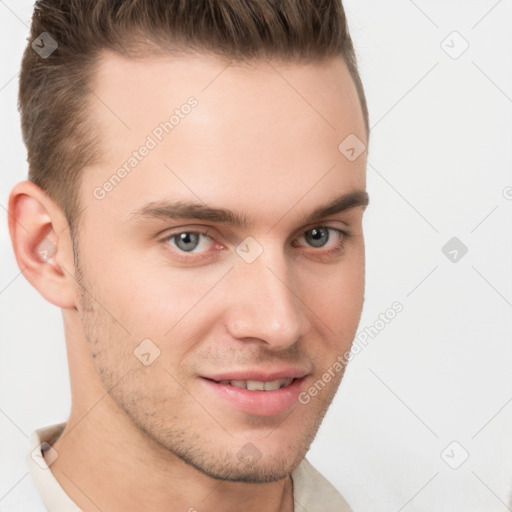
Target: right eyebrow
[[166, 210]]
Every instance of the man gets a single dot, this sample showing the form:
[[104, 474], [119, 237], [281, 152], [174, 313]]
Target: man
[[199, 375]]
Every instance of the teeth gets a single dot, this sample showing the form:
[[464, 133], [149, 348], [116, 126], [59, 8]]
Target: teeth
[[255, 385], [238, 383], [273, 385], [258, 385]]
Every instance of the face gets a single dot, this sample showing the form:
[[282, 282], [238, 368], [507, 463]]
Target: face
[[216, 298]]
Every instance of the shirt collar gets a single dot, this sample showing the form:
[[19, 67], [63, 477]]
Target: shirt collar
[[52, 494]]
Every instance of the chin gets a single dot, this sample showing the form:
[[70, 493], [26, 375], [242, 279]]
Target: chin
[[247, 471]]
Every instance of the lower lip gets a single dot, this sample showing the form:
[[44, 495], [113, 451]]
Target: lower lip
[[259, 403]]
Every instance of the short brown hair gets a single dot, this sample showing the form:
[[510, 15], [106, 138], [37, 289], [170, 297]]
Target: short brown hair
[[54, 88]]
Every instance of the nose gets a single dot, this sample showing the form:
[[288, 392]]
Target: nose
[[263, 304]]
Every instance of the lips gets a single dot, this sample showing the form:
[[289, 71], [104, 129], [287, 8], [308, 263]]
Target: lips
[[257, 392]]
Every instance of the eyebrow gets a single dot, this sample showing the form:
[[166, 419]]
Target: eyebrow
[[166, 210]]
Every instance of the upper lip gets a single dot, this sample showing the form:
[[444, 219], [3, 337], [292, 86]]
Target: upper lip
[[258, 375]]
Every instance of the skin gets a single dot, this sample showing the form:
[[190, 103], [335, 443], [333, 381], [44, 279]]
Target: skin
[[154, 437]]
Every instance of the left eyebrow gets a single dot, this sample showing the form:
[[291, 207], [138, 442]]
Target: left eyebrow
[[339, 204], [169, 210]]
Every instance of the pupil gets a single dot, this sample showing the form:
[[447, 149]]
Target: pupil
[[320, 237], [187, 238]]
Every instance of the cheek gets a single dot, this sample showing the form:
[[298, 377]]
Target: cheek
[[141, 294], [337, 294], [166, 305]]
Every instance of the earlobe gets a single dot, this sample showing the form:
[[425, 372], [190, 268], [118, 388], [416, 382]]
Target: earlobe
[[42, 244]]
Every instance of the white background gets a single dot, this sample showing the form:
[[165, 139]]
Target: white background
[[439, 166]]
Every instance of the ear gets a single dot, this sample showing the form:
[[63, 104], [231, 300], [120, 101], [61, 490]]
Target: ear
[[42, 243]]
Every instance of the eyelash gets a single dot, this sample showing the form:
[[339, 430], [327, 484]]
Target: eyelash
[[186, 256]]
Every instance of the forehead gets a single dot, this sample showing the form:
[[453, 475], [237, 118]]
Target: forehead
[[215, 130]]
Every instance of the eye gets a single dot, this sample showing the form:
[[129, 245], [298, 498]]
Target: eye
[[189, 241], [320, 236]]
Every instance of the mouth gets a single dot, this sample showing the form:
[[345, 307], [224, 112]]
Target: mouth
[[259, 395], [258, 385]]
